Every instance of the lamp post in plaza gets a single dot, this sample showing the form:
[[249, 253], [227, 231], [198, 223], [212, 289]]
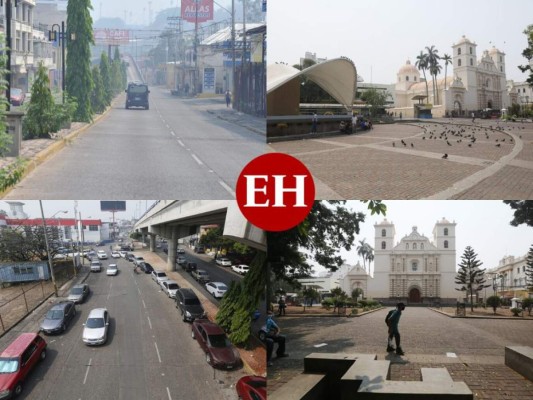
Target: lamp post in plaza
[[53, 36]]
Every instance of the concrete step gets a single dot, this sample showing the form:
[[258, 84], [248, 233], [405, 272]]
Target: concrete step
[[520, 358], [305, 387]]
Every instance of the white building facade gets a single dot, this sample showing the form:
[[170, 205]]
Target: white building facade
[[509, 277]]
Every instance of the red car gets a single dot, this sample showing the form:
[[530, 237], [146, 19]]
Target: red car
[[252, 388], [219, 352], [18, 360], [17, 97]]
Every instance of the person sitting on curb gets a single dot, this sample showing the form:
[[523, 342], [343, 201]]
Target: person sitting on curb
[[273, 333]]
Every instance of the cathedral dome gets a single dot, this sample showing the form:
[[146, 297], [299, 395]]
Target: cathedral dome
[[408, 69], [494, 50], [464, 39]]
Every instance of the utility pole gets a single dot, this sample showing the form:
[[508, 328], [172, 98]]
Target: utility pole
[[9, 12], [48, 249], [195, 54], [233, 46]]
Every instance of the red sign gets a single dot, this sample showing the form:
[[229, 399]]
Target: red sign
[[197, 10], [275, 192], [111, 36]]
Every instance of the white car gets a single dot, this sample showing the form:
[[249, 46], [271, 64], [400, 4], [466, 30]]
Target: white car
[[112, 270], [240, 269], [181, 260], [115, 254], [180, 251], [216, 289], [137, 260], [159, 276], [102, 255], [122, 253], [95, 328], [170, 287], [225, 262], [96, 266]]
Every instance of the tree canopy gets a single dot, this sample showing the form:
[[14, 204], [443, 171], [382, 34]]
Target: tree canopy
[[529, 269], [470, 276], [523, 211], [528, 55], [376, 99], [24, 244]]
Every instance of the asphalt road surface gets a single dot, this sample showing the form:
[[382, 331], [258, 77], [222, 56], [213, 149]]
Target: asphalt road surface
[[176, 149], [149, 353]]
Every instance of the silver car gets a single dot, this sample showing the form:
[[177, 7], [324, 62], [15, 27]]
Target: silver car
[[79, 293], [96, 326], [159, 276], [170, 287]]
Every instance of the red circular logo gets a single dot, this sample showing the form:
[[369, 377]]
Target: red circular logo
[[275, 191]]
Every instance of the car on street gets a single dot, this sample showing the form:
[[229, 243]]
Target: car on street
[[115, 254], [79, 293], [181, 260], [96, 266], [219, 352], [137, 95], [17, 97], [17, 360], [102, 255], [159, 276], [180, 251], [130, 257], [199, 249], [189, 305], [200, 275], [126, 247], [252, 388], [216, 289], [96, 327], [223, 261], [122, 253], [58, 317], [112, 270], [170, 287], [146, 267], [137, 260], [240, 269], [190, 267], [90, 254]]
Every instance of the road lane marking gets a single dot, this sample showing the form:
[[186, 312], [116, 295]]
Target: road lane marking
[[87, 372], [197, 159], [228, 189], [157, 350], [172, 133], [181, 143], [168, 392], [144, 304], [139, 290], [149, 322]]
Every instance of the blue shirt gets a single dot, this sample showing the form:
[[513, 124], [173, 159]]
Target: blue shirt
[[395, 319], [271, 325]]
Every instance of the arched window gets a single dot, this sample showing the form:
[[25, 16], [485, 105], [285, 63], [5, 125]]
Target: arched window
[[470, 50], [459, 61], [445, 231], [407, 246], [414, 266], [501, 58], [471, 61], [414, 246], [459, 51], [445, 244], [501, 68], [407, 78], [383, 233], [383, 245]]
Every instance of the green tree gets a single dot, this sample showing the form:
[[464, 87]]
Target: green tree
[[494, 302], [362, 251], [98, 96], [79, 74], [422, 64], [105, 73], [310, 295], [523, 211], [356, 293], [40, 119], [529, 269], [24, 244], [447, 61], [470, 276], [527, 303], [5, 138], [375, 99], [528, 55], [339, 298]]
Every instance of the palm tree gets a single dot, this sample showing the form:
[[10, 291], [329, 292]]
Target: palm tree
[[435, 70], [362, 250], [447, 60], [369, 256], [433, 60], [422, 64]]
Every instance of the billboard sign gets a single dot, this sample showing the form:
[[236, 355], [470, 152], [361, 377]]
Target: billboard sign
[[111, 36], [209, 80], [197, 10], [112, 206]]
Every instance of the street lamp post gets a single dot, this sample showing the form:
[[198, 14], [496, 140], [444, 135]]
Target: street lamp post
[[9, 11], [52, 36], [48, 249]]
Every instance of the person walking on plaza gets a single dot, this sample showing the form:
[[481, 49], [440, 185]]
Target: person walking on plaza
[[273, 333], [392, 321], [228, 98], [314, 124], [473, 117], [281, 306]]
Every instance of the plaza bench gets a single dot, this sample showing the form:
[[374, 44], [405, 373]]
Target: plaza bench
[[520, 359]]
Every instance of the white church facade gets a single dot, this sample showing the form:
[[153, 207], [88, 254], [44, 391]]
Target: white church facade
[[471, 84], [413, 270]]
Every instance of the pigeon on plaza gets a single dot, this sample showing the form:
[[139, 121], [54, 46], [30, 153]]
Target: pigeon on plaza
[[445, 156]]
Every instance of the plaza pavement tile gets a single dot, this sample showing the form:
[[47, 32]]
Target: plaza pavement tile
[[479, 345]]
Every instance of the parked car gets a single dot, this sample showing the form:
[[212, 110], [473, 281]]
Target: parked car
[[17, 97], [96, 326], [189, 305], [115, 254], [216, 289], [112, 270], [130, 257], [190, 267], [219, 352], [137, 260], [17, 360], [180, 251], [251, 388], [126, 247], [96, 266], [159, 276], [199, 249], [223, 261], [122, 253], [170, 287], [181, 260], [146, 267], [58, 317], [200, 275], [240, 269], [90, 254], [79, 293], [102, 255]]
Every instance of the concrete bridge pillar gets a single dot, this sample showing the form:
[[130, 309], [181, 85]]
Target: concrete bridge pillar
[[172, 248], [152, 243]]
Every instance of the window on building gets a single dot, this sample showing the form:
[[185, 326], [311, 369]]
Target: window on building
[[524, 268], [501, 59], [414, 246], [407, 246], [421, 246], [501, 68], [445, 244], [383, 245], [518, 270], [471, 61], [459, 51], [445, 231], [93, 228], [459, 62], [415, 78], [471, 52], [407, 78], [383, 233], [22, 270], [414, 266]]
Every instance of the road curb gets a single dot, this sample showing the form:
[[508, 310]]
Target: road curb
[[252, 129], [332, 315], [480, 317]]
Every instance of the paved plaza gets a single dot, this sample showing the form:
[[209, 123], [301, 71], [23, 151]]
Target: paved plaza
[[485, 160], [427, 337]]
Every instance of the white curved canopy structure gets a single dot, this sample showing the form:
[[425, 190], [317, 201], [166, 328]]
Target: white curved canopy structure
[[338, 77]]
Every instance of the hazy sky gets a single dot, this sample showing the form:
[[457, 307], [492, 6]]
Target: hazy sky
[[483, 225], [88, 209], [380, 35]]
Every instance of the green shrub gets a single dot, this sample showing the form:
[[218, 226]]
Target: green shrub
[[328, 302], [363, 303], [516, 311], [527, 304], [494, 302]]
